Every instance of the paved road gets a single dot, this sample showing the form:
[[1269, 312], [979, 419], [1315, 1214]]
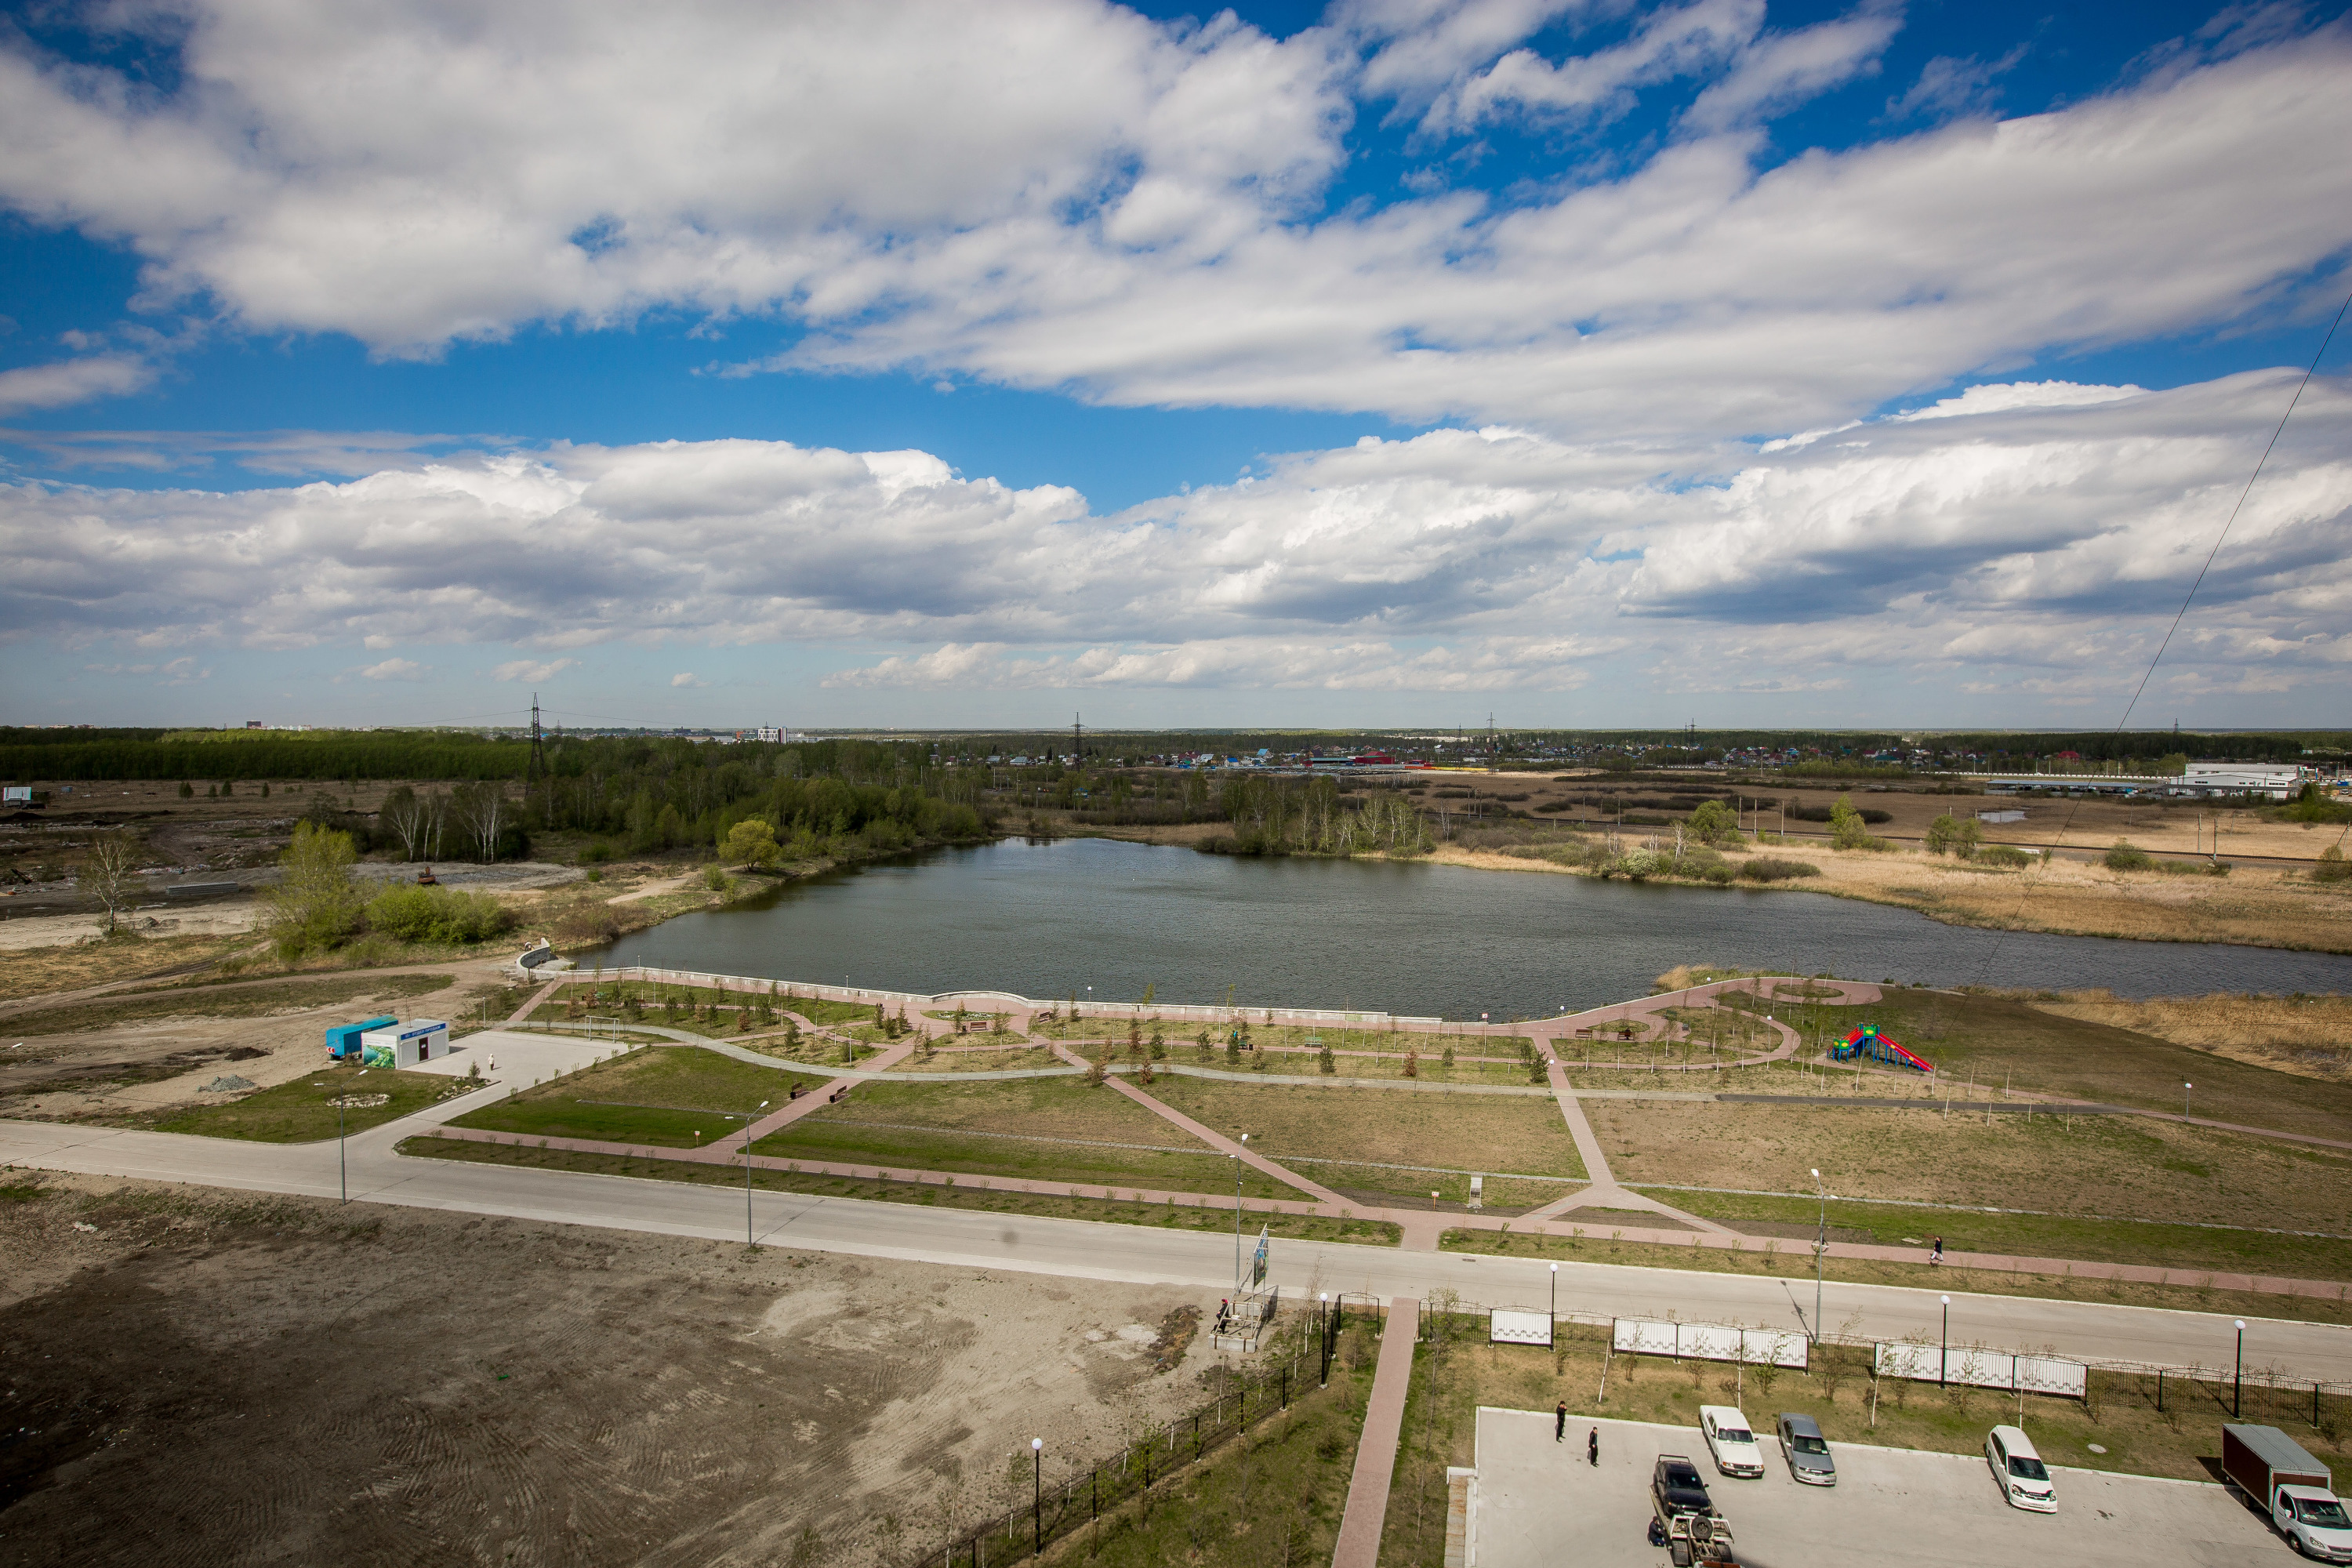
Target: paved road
[[1098, 1250]]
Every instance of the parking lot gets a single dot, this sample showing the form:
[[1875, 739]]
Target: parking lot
[[1539, 1505]]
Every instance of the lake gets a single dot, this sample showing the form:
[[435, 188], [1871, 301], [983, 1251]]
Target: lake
[[1055, 919]]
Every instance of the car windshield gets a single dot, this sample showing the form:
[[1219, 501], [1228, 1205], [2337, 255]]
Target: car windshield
[[1684, 1475], [1733, 1435], [2018, 1465], [2327, 1515], [1805, 1445]]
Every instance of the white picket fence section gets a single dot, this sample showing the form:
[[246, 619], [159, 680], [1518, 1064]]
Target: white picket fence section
[[1978, 1368], [1709, 1341]]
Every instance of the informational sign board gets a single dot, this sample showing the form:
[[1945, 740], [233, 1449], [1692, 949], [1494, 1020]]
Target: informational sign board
[[1709, 1341], [1509, 1328]]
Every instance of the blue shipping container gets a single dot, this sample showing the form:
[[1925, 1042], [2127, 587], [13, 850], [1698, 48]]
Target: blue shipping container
[[344, 1039]]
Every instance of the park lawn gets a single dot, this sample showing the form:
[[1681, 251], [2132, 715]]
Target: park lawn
[[1988, 1040], [651, 1095], [225, 1002], [610, 995], [1596, 1240], [2121, 1167], [303, 1111], [1117, 1211], [1382, 1068], [1035, 1107], [841, 1143], [1501, 1133], [1011, 1058], [2031, 1235]]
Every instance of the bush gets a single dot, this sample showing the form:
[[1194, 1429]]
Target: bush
[[596, 853], [1949, 835], [2128, 856], [1773, 868], [714, 876], [1715, 823], [412, 913], [2006, 856], [2332, 867]]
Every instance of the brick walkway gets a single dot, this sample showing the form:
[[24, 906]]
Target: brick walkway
[[1376, 1450]]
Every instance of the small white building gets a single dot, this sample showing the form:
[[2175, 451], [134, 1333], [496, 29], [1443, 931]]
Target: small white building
[[406, 1044]]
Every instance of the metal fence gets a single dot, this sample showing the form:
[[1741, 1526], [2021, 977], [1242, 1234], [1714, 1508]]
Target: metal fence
[[1080, 1497]]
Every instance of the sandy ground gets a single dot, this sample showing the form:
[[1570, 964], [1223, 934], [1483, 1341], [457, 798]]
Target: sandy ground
[[204, 1378], [228, 918], [265, 1051]]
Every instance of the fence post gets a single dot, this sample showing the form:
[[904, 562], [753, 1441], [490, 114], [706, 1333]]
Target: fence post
[[2315, 1397]]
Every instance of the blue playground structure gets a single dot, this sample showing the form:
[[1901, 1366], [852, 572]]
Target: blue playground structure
[[1870, 1045]]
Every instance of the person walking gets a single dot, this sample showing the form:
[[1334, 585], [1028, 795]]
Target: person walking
[[1592, 1448], [1937, 1256], [1559, 1423]]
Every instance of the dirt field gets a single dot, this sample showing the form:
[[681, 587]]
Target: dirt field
[[160, 1058], [206, 1379]]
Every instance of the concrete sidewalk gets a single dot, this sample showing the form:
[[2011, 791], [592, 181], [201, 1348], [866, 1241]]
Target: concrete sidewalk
[[1376, 1450]]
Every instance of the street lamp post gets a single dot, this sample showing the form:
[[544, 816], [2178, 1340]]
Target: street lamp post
[[2238, 1377], [1036, 1496], [1323, 1337], [342, 1165], [1944, 1362], [1555, 1296], [1821, 1246], [2184, 1100], [1238, 1215], [747, 1171]]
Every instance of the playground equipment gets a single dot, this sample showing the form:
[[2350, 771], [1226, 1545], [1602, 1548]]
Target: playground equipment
[[1870, 1045]]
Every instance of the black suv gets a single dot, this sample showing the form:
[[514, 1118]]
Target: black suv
[[1677, 1487]]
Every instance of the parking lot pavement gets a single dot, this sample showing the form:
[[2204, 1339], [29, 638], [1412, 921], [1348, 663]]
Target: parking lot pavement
[[1537, 1504]]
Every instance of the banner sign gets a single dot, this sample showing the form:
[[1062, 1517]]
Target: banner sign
[[1975, 1368], [1509, 1328], [1709, 1341]]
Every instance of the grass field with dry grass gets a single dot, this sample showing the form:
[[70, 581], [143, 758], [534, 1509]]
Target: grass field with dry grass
[[2310, 1036], [2121, 1167], [38, 971], [1490, 1133], [1985, 1040]]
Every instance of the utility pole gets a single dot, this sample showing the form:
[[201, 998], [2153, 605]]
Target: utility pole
[[1078, 740]]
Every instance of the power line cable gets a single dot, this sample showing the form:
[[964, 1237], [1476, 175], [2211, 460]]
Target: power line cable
[[2028, 886]]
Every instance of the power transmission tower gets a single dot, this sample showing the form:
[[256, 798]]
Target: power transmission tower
[[535, 775], [1078, 740]]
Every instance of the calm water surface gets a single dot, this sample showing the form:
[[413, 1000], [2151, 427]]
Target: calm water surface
[[1051, 919]]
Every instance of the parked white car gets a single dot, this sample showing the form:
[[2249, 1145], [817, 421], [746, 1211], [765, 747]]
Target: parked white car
[[2023, 1478], [1731, 1441]]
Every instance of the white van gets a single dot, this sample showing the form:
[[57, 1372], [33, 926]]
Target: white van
[[2018, 1471], [1731, 1441]]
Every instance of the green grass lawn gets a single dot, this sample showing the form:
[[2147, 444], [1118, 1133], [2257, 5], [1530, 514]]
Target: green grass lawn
[[840, 1142], [659, 1095], [303, 1111], [930, 1124], [2038, 1235], [1120, 1211]]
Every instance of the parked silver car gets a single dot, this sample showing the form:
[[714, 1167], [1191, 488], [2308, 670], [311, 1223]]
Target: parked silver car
[[1807, 1453]]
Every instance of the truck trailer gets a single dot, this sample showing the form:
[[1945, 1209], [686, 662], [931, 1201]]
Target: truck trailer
[[2294, 1488]]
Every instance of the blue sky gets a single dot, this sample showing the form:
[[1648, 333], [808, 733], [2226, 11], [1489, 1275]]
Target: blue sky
[[1390, 363]]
